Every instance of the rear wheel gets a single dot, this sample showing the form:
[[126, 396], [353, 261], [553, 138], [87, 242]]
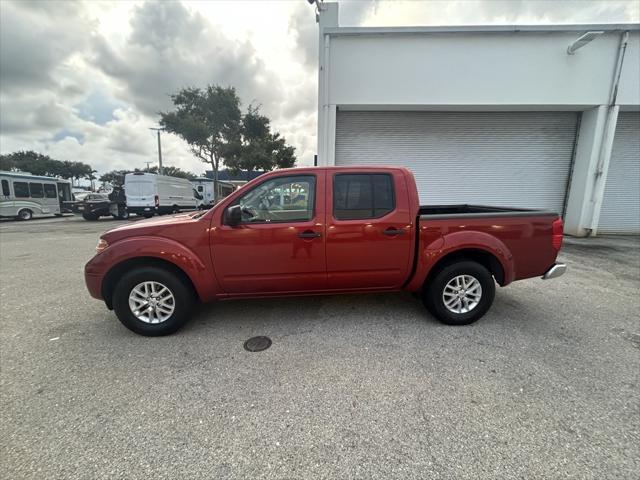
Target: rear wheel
[[152, 301], [147, 215], [25, 214], [90, 216], [460, 293]]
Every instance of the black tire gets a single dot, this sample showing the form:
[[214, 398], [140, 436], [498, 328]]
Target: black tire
[[25, 214], [433, 292], [91, 217], [147, 215], [124, 215], [183, 295], [175, 209]]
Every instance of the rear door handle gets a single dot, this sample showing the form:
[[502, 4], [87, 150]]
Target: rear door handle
[[394, 231], [309, 234]]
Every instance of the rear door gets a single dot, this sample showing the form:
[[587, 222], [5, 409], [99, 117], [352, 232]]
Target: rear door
[[370, 232]]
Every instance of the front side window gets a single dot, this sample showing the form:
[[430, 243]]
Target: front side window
[[21, 189], [362, 195], [5, 188], [36, 190], [283, 199], [50, 191]]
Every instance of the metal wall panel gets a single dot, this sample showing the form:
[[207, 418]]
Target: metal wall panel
[[620, 211], [520, 159]]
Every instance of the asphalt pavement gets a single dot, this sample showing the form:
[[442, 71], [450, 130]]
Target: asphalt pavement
[[546, 385]]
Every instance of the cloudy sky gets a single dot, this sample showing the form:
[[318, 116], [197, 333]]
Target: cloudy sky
[[84, 81]]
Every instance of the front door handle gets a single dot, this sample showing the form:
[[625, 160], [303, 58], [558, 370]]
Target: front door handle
[[394, 231], [309, 234]]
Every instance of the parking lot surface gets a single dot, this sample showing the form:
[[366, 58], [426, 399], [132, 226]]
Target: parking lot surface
[[545, 386]]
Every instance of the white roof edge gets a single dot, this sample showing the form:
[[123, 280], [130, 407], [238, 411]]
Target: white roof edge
[[607, 27]]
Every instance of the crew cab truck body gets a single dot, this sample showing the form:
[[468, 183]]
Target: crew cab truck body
[[309, 231]]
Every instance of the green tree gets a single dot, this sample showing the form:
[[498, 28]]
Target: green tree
[[114, 177], [209, 121], [39, 164], [7, 163], [174, 172], [260, 148]]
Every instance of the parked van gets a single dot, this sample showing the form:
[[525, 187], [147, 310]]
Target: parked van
[[25, 196], [148, 194], [204, 187]]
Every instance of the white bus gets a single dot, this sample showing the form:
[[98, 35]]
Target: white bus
[[148, 194], [25, 196]]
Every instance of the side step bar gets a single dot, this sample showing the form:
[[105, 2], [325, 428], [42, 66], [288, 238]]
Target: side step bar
[[556, 271]]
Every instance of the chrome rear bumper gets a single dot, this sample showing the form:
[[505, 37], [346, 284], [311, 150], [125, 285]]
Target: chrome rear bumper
[[556, 271]]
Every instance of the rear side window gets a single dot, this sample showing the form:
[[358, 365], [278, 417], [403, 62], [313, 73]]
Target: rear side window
[[5, 188], [36, 190], [50, 191], [21, 189], [362, 195]]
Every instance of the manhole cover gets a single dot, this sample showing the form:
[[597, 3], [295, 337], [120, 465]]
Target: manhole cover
[[257, 344]]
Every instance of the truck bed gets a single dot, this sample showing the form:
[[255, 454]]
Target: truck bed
[[476, 211]]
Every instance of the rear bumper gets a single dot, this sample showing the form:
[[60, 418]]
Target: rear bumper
[[555, 271], [142, 210]]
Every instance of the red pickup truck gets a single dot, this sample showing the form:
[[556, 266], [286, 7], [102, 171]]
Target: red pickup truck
[[329, 230]]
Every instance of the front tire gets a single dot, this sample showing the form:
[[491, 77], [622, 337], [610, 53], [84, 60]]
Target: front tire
[[152, 301], [460, 293]]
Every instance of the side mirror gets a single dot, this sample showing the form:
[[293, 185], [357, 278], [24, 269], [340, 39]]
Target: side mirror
[[233, 216]]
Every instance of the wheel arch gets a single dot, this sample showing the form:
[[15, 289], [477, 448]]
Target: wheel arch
[[483, 257], [117, 271]]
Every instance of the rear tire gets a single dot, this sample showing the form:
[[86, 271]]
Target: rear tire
[[25, 214], [476, 293], [147, 215], [181, 303], [90, 217]]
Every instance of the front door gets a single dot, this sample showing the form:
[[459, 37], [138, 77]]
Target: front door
[[370, 233], [278, 246]]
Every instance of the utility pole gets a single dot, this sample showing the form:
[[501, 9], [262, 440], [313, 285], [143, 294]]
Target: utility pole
[[160, 169]]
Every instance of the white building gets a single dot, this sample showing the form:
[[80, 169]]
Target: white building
[[502, 115]]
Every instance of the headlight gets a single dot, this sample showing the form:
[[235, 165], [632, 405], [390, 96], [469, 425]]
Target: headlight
[[102, 244]]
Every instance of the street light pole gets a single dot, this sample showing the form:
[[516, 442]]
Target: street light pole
[[160, 169]]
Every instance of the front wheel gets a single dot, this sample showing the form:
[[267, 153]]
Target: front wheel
[[460, 293], [152, 301]]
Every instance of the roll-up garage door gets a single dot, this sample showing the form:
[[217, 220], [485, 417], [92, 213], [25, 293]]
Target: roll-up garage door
[[620, 211], [520, 159]]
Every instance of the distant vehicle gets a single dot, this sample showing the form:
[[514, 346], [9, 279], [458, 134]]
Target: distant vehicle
[[322, 231], [148, 194], [80, 196], [204, 187], [95, 205], [26, 196]]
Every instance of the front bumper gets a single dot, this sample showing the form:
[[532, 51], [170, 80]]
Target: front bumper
[[557, 270]]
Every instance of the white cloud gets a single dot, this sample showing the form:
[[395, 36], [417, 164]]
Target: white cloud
[[84, 81]]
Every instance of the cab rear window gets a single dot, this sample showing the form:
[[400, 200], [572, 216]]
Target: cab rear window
[[362, 195]]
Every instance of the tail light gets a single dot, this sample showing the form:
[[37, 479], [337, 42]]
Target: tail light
[[157, 199], [556, 237]]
